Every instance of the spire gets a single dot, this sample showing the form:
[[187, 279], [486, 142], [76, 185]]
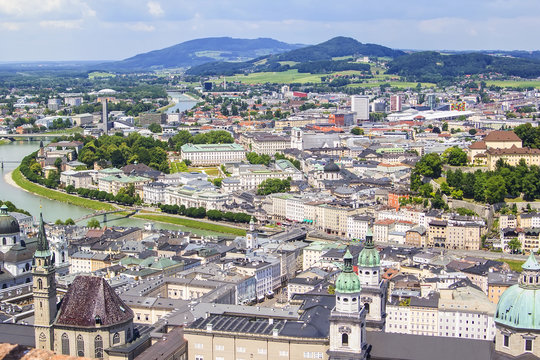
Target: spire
[[347, 260], [531, 263], [369, 240], [42, 243]]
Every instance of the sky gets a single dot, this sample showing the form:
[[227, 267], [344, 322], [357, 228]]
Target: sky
[[54, 30]]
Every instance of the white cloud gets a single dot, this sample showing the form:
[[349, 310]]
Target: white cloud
[[10, 26], [154, 8], [141, 27], [61, 24]]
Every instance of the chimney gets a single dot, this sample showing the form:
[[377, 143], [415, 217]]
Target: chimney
[[209, 327]]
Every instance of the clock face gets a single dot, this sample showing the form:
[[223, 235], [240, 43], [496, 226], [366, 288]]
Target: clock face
[[344, 330]]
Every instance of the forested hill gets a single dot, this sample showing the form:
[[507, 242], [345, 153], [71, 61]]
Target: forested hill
[[337, 47], [315, 59], [430, 66], [200, 51]]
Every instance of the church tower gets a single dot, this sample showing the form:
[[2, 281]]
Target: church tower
[[252, 241], [347, 319], [373, 294], [44, 289]]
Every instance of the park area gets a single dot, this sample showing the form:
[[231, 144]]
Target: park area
[[179, 166]]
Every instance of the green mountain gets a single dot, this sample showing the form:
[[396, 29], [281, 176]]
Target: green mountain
[[200, 51], [430, 66], [314, 59]]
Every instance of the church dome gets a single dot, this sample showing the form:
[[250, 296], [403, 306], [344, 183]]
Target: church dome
[[348, 282], [331, 167], [517, 305], [8, 224], [369, 256]]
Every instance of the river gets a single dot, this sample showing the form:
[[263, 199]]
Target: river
[[182, 102], [53, 210]]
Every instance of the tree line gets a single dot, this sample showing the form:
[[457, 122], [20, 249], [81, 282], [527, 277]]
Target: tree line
[[201, 213]]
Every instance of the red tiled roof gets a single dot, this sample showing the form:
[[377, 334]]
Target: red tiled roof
[[501, 135], [478, 145]]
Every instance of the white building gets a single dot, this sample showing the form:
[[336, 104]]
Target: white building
[[360, 106], [357, 226], [212, 154]]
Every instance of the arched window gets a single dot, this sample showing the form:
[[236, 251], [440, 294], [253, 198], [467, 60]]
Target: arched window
[[98, 346], [128, 335], [3, 241], [116, 338], [344, 340], [27, 266], [14, 240], [353, 299], [40, 284], [80, 346], [345, 300], [366, 306], [65, 344]]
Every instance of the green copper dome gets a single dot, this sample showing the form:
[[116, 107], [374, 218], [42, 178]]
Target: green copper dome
[[348, 282], [8, 224], [369, 256], [517, 305]]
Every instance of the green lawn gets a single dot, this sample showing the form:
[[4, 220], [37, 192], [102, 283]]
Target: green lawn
[[515, 83], [57, 195], [66, 131], [395, 84], [99, 74], [515, 265], [284, 77], [193, 224]]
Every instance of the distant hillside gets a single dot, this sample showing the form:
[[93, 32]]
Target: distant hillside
[[430, 66], [337, 47], [200, 51], [314, 59]]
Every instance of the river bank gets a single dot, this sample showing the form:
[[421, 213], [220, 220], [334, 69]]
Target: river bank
[[16, 178]]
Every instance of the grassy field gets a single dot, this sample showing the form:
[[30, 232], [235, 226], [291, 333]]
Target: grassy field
[[74, 130], [99, 74], [395, 84], [514, 83], [285, 77], [20, 180], [515, 265], [193, 224]]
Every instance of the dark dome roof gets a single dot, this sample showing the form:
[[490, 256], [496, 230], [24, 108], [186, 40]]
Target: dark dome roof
[[8, 224], [331, 167]]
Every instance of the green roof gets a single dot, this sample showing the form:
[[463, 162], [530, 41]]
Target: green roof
[[369, 256], [517, 308], [348, 282], [531, 263]]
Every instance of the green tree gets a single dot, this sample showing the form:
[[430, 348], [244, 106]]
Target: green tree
[[445, 189], [69, 221], [93, 224], [155, 128], [58, 222], [514, 245], [529, 186], [357, 131], [445, 126], [271, 186], [455, 156], [495, 190], [430, 165], [472, 132]]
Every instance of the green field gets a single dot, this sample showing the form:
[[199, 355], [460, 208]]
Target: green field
[[193, 224], [514, 83], [395, 84], [20, 180], [74, 130], [515, 265], [99, 74], [284, 77]]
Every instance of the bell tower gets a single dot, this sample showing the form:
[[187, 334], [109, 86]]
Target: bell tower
[[373, 294], [347, 319], [44, 290], [252, 241]]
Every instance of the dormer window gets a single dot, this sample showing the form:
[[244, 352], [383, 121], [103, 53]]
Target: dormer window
[[98, 320]]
